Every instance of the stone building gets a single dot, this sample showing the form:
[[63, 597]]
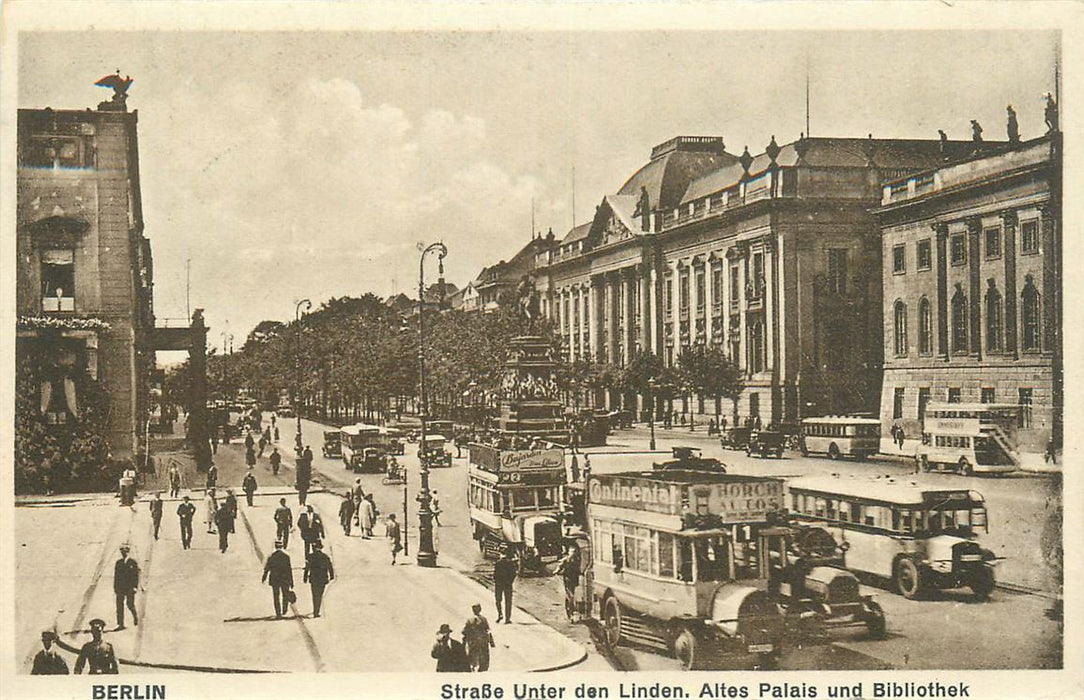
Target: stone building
[[84, 271], [972, 289], [774, 257]]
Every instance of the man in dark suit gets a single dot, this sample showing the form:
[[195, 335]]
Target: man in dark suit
[[284, 522], [318, 573], [304, 475], [125, 583], [96, 654], [48, 662], [449, 653], [224, 523], [156, 513], [249, 486], [504, 573], [311, 527], [186, 511], [278, 572]]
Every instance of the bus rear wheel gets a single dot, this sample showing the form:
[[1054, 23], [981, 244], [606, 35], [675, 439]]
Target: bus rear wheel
[[833, 451], [688, 650], [909, 579], [611, 622]]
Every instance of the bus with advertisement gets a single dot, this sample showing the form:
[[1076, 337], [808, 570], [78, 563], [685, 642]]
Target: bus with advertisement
[[355, 439], [918, 538], [841, 436], [514, 499], [675, 565], [969, 438]]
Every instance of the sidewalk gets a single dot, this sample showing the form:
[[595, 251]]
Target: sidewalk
[[202, 608]]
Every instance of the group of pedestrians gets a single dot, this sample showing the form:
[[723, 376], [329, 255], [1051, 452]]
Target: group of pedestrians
[[472, 654], [358, 509]]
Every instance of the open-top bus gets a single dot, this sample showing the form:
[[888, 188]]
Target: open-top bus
[[916, 537], [969, 438], [841, 436]]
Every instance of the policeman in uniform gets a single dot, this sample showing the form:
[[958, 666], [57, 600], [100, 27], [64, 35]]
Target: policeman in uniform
[[125, 583], [96, 654], [48, 662]]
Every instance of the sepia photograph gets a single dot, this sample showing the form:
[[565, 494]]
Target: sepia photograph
[[534, 352]]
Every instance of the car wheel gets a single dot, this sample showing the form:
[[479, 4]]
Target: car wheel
[[909, 579], [833, 451], [687, 649], [875, 621], [982, 583], [965, 467], [612, 622]]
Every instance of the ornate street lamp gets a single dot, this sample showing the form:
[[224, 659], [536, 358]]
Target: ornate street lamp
[[651, 410], [427, 556], [299, 447]]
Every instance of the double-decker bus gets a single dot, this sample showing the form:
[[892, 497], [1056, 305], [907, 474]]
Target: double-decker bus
[[841, 436], [916, 537], [354, 439], [969, 438]]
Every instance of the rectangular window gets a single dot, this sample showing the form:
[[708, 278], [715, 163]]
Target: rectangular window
[[924, 255], [669, 295], [700, 290], [717, 285], [899, 259], [683, 291], [988, 394], [58, 280], [758, 275], [754, 404], [1025, 407], [923, 399], [55, 152], [837, 270], [735, 286], [1029, 236], [954, 394], [958, 249], [666, 555], [897, 403], [992, 242]]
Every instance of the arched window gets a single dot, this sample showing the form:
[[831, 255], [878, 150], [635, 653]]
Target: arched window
[[994, 320], [900, 327], [959, 321], [925, 327], [1029, 316]]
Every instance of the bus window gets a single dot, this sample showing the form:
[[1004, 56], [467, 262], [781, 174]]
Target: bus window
[[820, 506], [712, 559], [666, 555], [522, 499], [545, 497], [685, 556], [831, 513], [856, 512]]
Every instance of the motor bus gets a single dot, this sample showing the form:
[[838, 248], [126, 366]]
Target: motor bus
[[917, 538], [973, 438], [674, 565], [355, 438], [841, 436], [514, 499]]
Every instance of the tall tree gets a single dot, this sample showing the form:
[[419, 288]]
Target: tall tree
[[708, 371]]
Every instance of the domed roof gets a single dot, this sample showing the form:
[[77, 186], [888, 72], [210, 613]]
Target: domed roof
[[673, 165]]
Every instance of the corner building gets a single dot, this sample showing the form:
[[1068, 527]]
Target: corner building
[[774, 257], [972, 291]]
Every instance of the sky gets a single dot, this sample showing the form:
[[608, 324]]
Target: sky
[[290, 165]]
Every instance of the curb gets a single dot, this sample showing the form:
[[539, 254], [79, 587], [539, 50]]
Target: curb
[[171, 667]]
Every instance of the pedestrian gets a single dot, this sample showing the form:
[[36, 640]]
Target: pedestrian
[[248, 485], [368, 515], [97, 654], [276, 430], [357, 495], [210, 505], [212, 476], [250, 457], [47, 662], [434, 507], [346, 513], [318, 574], [575, 468], [185, 512], [304, 476], [214, 442], [395, 538], [174, 481], [449, 653], [311, 527], [262, 444], [569, 569], [276, 461], [586, 468], [900, 436], [284, 522], [273, 424], [224, 521], [307, 454], [249, 442], [231, 506], [125, 583], [278, 572], [156, 512], [478, 639], [504, 574]]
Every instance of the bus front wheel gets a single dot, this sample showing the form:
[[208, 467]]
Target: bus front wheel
[[611, 618], [982, 583], [965, 467], [833, 451], [687, 649], [909, 579]]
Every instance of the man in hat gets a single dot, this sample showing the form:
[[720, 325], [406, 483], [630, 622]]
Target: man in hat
[[186, 511], [249, 487], [318, 573], [448, 652], [569, 568], [346, 513], [212, 476], [311, 527], [478, 639], [156, 512], [284, 522], [303, 475], [278, 572], [125, 583], [48, 662], [504, 573], [97, 654], [174, 481], [395, 536], [224, 524], [276, 461]]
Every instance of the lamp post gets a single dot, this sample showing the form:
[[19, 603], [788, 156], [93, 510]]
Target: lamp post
[[299, 447], [651, 411], [426, 554]]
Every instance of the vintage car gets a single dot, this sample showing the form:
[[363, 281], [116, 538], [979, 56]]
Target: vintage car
[[736, 438], [689, 458], [432, 454], [396, 439], [764, 443], [395, 473], [333, 447], [373, 459]]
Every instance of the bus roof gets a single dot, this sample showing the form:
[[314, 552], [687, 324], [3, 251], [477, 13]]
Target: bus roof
[[359, 428], [847, 420], [685, 477], [943, 406], [886, 490]]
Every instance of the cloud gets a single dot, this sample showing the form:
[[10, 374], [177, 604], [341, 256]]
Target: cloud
[[318, 192]]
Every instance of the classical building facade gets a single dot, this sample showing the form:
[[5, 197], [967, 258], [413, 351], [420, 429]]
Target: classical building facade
[[972, 289], [84, 272], [775, 257]]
